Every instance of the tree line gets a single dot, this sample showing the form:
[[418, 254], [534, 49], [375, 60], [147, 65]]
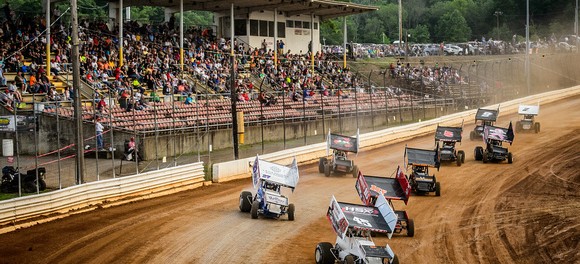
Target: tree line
[[424, 21]]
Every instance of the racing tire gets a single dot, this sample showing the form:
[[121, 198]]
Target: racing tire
[[462, 153], [478, 153], [484, 156], [326, 169], [510, 158], [537, 128], [321, 163], [472, 135], [354, 171], [395, 260], [349, 259], [291, 210], [323, 253], [458, 159], [245, 201], [254, 210], [410, 228], [437, 189]]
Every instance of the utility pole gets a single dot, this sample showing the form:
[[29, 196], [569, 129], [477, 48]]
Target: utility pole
[[528, 46], [497, 14], [80, 156], [400, 24], [576, 26]]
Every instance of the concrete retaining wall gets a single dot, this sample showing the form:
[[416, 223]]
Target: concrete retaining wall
[[47, 206]]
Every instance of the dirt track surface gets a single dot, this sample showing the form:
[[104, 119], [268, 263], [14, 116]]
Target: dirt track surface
[[525, 212]]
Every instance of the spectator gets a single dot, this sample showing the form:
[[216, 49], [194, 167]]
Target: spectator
[[131, 151], [99, 130]]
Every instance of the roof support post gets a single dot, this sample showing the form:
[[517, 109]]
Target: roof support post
[[344, 42], [181, 35], [120, 19], [312, 43], [276, 39], [233, 92], [48, 37]]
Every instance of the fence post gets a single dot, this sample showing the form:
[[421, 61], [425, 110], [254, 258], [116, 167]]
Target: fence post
[[370, 92], [323, 114], [284, 115], [386, 96]]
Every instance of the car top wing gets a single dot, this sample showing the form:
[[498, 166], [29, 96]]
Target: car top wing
[[498, 133], [337, 218], [452, 134], [422, 157], [486, 114], [344, 143], [379, 218], [267, 171], [397, 188], [529, 109]]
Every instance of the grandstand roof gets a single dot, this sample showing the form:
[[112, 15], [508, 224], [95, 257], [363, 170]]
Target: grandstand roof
[[325, 9]]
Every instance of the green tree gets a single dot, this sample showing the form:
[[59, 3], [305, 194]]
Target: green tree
[[420, 34], [452, 27]]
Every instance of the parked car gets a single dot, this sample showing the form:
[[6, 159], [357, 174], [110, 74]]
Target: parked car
[[451, 49], [432, 49], [565, 47], [468, 49]]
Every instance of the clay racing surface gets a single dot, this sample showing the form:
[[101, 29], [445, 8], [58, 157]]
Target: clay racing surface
[[525, 212]]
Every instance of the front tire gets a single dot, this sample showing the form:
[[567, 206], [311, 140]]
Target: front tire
[[462, 153], [354, 171], [410, 228], [327, 169], [458, 159], [321, 163], [395, 260], [478, 153], [510, 158], [254, 210], [245, 201], [537, 128], [484, 156], [291, 210], [437, 189], [349, 259], [323, 253]]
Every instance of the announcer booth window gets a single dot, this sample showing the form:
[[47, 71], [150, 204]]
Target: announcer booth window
[[240, 27], [254, 27], [281, 30], [289, 23], [305, 24], [270, 29], [263, 28], [298, 24]]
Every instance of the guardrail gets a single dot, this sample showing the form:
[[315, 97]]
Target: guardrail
[[237, 169], [48, 206]]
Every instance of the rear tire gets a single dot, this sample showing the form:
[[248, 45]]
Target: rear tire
[[437, 189], [254, 210], [472, 135], [321, 163], [510, 158], [537, 128], [462, 153], [484, 156], [323, 253], [326, 169], [395, 260], [354, 171], [410, 228], [458, 159], [245, 201], [291, 210]]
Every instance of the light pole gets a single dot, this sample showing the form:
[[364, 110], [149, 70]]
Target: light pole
[[576, 26], [497, 14]]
